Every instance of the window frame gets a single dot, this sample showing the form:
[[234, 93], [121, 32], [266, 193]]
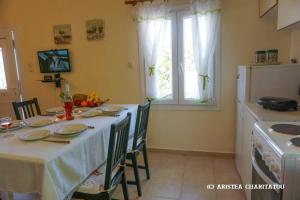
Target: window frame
[[178, 102], [3, 51]]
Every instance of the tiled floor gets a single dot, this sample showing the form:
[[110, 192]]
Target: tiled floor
[[182, 177]]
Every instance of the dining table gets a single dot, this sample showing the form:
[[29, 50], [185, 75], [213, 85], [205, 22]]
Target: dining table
[[50, 170]]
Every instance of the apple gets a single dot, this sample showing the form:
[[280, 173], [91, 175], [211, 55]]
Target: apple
[[77, 102], [84, 103], [90, 103]]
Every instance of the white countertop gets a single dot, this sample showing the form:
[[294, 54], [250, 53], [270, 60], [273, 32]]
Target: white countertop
[[270, 115]]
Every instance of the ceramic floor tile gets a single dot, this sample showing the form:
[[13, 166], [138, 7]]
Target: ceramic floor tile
[[199, 173], [197, 190], [130, 174], [173, 172], [199, 161], [224, 164], [199, 168], [225, 171], [199, 196], [230, 195], [164, 188], [189, 186], [156, 159], [153, 198], [228, 178]]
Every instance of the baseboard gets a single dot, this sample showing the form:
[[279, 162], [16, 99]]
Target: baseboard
[[194, 153]]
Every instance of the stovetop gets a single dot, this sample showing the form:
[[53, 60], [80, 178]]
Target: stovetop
[[288, 129], [270, 115], [282, 142]]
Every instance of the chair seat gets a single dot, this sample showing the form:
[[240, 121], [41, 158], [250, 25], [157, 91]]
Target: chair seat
[[95, 183]]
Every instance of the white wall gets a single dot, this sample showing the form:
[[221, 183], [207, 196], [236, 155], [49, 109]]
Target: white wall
[[102, 66], [295, 45]]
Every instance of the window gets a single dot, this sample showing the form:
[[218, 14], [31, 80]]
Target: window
[[191, 90], [180, 64], [165, 66], [3, 83]]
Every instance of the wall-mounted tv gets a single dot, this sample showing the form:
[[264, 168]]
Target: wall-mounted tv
[[54, 61]]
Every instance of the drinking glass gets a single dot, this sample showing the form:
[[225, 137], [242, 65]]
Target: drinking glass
[[69, 110]]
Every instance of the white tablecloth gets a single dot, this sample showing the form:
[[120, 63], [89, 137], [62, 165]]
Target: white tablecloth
[[53, 170]]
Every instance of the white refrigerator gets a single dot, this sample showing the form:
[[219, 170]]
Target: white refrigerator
[[254, 82]]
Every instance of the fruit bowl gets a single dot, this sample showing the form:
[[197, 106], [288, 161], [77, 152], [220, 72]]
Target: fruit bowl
[[91, 104], [92, 100]]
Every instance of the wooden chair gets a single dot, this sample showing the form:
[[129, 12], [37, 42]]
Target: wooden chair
[[138, 144], [26, 108], [101, 184]]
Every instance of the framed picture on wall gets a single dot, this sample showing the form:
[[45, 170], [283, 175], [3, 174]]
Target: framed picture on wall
[[62, 34], [95, 29]]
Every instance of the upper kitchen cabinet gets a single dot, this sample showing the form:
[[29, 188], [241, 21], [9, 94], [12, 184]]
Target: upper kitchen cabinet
[[267, 7], [288, 14]]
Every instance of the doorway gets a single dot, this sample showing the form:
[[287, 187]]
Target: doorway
[[10, 88]]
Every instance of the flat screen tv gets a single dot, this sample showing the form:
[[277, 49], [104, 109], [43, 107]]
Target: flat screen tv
[[54, 61]]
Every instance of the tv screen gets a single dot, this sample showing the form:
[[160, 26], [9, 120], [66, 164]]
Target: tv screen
[[54, 61]]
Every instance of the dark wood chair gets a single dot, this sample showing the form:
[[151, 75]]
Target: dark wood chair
[[101, 184], [27, 108], [138, 145]]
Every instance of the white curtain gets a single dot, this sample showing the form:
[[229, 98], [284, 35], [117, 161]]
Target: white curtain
[[152, 19], [206, 16]]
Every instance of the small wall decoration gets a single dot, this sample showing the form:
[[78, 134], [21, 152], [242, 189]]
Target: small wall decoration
[[95, 29], [62, 34]]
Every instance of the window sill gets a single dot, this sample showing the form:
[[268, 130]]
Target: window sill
[[192, 107]]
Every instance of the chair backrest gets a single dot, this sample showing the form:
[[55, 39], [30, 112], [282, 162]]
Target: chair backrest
[[26, 108], [117, 150], [142, 118]]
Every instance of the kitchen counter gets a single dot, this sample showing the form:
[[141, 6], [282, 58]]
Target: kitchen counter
[[270, 115]]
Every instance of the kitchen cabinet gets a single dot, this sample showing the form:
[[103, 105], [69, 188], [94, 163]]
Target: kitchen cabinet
[[266, 6], [245, 124], [246, 164], [239, 136], [288, 14]]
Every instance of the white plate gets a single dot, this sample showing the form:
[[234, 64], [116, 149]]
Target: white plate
[[55, 110], [35, 135], [39, 123], [90, 114], [60, 136], [70, 129], [112, 109], [82, 109]]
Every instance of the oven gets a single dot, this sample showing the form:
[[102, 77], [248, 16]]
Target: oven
[[266, 170]]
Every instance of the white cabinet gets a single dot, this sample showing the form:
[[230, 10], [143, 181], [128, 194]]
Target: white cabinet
[[246, 164], [239, 136], [265, 6], [245, 124], [288, 14]]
